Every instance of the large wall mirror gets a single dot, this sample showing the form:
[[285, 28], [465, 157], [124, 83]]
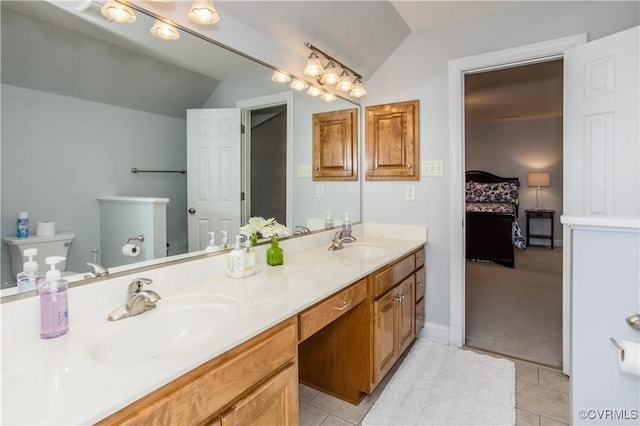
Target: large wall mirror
[[85, 100]]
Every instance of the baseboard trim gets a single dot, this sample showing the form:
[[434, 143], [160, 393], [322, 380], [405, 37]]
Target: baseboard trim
[[435, 332]]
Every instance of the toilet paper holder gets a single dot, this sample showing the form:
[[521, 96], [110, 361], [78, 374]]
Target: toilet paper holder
[[138, 238], [633, 321], [617, 345]]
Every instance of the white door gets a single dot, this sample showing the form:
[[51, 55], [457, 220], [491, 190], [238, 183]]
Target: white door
[[601, 221], [214, 174]]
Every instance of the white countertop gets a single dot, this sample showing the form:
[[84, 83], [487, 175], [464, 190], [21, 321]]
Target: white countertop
[[61, 381]]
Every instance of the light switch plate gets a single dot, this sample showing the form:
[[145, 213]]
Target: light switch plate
[[433, 168], [319, 191], [304, 170], [410, 192]]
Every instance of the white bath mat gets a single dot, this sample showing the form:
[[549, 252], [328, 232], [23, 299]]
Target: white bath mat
[[443, 385]]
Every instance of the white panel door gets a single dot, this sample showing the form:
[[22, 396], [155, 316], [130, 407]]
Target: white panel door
[[601, 147], [214, 174]]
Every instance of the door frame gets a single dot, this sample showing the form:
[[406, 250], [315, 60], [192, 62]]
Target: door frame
[[261, 102], [522, 55]]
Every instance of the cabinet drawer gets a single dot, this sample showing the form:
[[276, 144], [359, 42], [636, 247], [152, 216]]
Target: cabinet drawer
[[421, 283], [200, 394], [315, 318], [389, 277], [420, 257]]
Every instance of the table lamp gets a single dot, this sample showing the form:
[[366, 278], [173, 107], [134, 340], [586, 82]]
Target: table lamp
[[539, 179]]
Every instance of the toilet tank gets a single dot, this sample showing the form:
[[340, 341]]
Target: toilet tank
[[56, 245]]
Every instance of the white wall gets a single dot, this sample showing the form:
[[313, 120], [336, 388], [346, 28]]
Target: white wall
[[515, 148], [418, 70], [94, 147]]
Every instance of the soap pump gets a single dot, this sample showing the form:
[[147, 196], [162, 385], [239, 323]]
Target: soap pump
[[346, 226], [30, 278], [328, 222], [212, 243], [250, 257], [237, 258], [225, 240], [54, 312]]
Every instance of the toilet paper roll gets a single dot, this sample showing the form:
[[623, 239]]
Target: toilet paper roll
[[132, 250], [45, 229], [629, 358]]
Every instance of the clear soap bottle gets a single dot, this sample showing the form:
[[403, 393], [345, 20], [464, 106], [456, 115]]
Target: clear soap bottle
[[328, 222], [30, 278], [54, 309], [250, 257], [346, 226]]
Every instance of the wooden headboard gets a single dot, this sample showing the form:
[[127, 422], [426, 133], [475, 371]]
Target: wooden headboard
[[486, 177]]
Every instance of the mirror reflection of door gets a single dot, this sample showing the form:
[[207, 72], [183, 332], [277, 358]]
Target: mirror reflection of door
[[266, 149]]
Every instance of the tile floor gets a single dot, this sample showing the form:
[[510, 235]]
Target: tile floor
[[542, 399]]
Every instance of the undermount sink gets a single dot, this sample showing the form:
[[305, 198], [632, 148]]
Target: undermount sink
[[364, 251], [177, 325]]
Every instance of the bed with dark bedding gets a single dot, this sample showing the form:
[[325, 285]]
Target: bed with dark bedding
[[492, 228]]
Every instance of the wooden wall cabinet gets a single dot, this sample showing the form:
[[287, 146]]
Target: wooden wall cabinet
[[335, 145], [392, 141]]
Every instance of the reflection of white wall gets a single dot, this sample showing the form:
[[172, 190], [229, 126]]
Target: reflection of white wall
[[514, 148], [92, 148], [339, 196]]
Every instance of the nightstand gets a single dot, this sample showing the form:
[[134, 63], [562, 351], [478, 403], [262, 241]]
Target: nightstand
[[543, 215]]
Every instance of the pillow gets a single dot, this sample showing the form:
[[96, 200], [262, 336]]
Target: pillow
[[502, 192]]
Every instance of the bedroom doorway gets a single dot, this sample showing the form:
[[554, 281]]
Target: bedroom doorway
[[513, 127]]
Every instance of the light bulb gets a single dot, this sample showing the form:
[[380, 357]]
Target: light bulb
[[330, 75], [358, 89], [314, 91], [164, 31], [313, 67], [328, 97], [203, 12], [344, 83], [298, 85], [118, 12], [280, 77]]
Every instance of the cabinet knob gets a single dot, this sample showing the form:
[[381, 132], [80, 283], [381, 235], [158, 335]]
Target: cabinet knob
[[400, 298], [344, 306], [316, 168], [422, 283], [409, 166]]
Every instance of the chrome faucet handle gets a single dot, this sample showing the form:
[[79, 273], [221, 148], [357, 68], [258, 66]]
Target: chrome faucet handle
[[337, 236], [136, 285], [98, 270], [302, 230]]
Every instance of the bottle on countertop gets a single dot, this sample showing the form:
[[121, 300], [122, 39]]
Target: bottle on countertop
[[346, 226], [54, 309], [250, 257], [30, 278], [328, 222], [212, 243], [225, 240], [23, 225], [237, 258]]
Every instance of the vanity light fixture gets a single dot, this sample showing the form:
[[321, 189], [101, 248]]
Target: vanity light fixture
[[346, 82], [314, 91], [118, 12], [203, 12], [280, 77], [298, 85], [164, 31]]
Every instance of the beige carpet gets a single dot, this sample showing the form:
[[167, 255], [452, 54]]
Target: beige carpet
[[517, 312]]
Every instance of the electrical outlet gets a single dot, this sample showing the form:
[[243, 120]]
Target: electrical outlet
[[304, 170], [319, 191], [410, 192], [433, 168]]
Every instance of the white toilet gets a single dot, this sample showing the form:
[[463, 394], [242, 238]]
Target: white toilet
[[56, 245]]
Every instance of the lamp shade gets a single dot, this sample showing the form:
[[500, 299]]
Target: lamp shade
[[539, 179]]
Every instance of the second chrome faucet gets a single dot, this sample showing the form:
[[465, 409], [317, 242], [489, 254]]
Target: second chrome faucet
[[137, 302], [339, 240]]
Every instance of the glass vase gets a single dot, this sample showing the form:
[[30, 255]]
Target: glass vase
[[254, 240], [275, 255]]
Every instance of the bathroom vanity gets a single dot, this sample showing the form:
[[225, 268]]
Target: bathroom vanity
[[336, 321]]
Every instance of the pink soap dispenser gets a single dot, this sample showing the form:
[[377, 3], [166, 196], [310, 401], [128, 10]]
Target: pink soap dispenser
[[54, 312]]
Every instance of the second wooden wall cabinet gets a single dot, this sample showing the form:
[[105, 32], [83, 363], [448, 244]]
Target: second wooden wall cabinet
[[335, 145], [392, 141]]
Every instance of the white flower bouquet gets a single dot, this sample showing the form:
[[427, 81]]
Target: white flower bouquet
[[259, 227]]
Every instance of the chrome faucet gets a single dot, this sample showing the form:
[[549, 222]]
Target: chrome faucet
[[138, 300], [339, 240], [98, 270], [301, 230]]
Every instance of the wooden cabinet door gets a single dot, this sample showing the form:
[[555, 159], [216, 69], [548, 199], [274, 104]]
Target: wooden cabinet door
[[385, 338], [335, 145], [406, 313], [273, 403], [392, 141]]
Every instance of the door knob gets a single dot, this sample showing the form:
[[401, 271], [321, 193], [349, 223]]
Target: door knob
[[192, 210]]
